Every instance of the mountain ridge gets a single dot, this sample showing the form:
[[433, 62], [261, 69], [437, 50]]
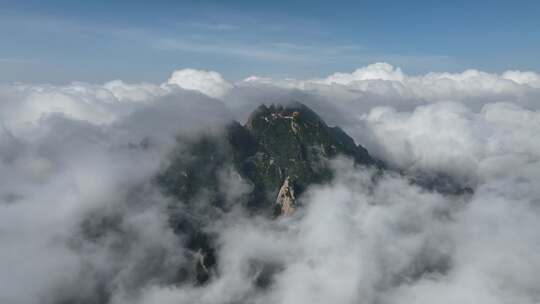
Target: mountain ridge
[[279, 152]]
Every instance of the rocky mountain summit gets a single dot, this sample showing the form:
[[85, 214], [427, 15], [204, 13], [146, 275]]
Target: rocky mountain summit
[[293, 148], [264, 166], [279, 152]]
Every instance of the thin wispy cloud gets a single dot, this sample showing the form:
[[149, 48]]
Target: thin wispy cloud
[[214, 26], [16, 60], [262, 52], [189, 41], [220, 39]]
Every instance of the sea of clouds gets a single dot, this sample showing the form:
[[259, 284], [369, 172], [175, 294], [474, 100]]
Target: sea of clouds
[[74, 156]]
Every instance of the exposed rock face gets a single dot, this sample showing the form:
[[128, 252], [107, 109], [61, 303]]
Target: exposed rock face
[[285, 202], [293, 141], [276, 143]]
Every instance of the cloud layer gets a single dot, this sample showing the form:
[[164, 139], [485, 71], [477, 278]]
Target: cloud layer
[[80, 218]]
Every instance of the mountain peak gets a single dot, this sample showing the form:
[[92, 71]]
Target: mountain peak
[[281, 144], [294, 145], [293, 111]]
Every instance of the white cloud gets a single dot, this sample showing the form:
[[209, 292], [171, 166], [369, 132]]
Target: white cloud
[[207, 82], [530, 78], [65, 173], [143, 92], [449, 137], [72, 153], [387, 85], [380, 71], [25, 104]]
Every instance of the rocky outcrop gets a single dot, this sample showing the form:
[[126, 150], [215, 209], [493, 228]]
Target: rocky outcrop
[[285, 201], [293, 141], [277, 143]]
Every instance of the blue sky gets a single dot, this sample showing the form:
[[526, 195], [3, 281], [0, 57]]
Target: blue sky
[[96, 41]]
